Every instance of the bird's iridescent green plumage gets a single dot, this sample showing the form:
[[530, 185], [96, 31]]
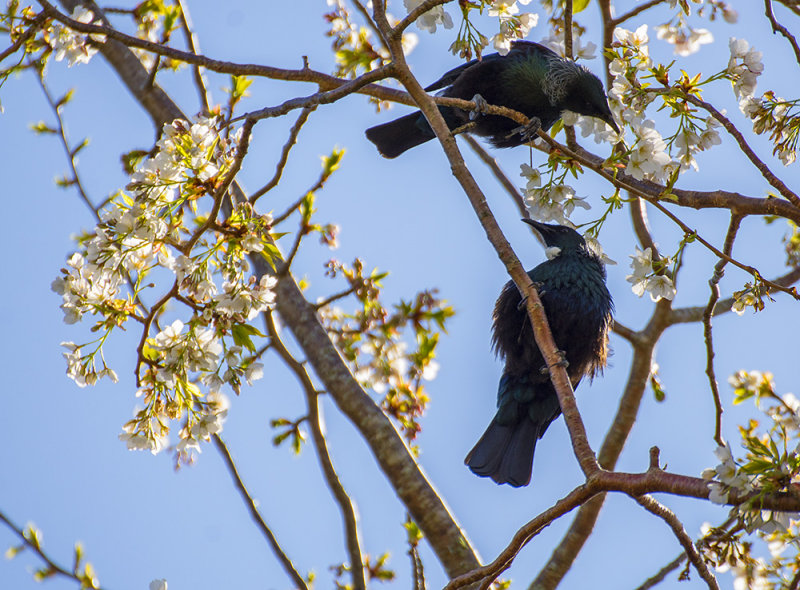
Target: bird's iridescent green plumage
[[530, 79]]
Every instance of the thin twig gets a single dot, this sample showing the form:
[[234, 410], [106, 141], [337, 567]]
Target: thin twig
[[498, 174], [287, 564], [768, 175], [654, 507], [287, 147], [52, 566], [323, 454], [686, 315], [33, 27], [779, 28], [662, 573], [222, 190], [191, 42], [713, 283], [634, 12]]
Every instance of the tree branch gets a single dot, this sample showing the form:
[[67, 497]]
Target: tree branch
[[323, 455], [713, 283], [665, 514], [252, 507], [403, 473]]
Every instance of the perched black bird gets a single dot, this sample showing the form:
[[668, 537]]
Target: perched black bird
[[530, 79], [578, 306]]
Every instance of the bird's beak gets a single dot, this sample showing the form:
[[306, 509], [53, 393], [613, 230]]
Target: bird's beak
[[612, 123], [542, 228]]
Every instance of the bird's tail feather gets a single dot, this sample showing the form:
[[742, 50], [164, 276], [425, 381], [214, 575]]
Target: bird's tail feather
[[505, 452], [395, 137]]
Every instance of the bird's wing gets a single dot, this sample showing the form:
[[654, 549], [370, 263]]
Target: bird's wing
[[528, 47], [518, 48], [450, 77]]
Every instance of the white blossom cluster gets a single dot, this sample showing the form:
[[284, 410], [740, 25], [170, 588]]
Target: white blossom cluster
[[429, 20], [686, 40], [552, 203], [744, 68], [555, 41], [644, 278], [156, 229], [648, 158], [513, 25], [379, 363], [728, 477], [72, 45]]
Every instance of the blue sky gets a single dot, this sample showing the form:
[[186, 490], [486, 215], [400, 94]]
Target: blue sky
[[64, 469]]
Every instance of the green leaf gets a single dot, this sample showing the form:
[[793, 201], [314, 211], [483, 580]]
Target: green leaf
[[579, 6]]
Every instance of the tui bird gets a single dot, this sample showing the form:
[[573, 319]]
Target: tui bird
[[578, 305], [530, 79]]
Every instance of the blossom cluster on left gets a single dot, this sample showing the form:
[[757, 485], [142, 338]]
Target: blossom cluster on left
[[163, 230]]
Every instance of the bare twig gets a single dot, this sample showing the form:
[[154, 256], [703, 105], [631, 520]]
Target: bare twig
[[779, 28], [633, 12], [662, 573], [687, 315], [191, 42], [664, 513], [713, 283], [320, 444], [287, 564], [498, 174], [295, 131]]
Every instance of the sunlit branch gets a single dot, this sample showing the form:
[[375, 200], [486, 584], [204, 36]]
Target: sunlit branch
[[325, 81], [543, 336], [252, 507], [644, 343], [685, 315], [392, 455], [664, 513], [768, 175]]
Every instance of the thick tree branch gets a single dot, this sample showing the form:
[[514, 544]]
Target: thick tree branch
[[627, 410], [541, 330], [404, 474]]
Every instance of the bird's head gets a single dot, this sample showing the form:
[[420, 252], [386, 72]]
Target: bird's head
[[562, 237], [588, 98]]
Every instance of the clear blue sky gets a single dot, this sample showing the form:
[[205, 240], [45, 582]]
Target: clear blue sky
[[64, 469]]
